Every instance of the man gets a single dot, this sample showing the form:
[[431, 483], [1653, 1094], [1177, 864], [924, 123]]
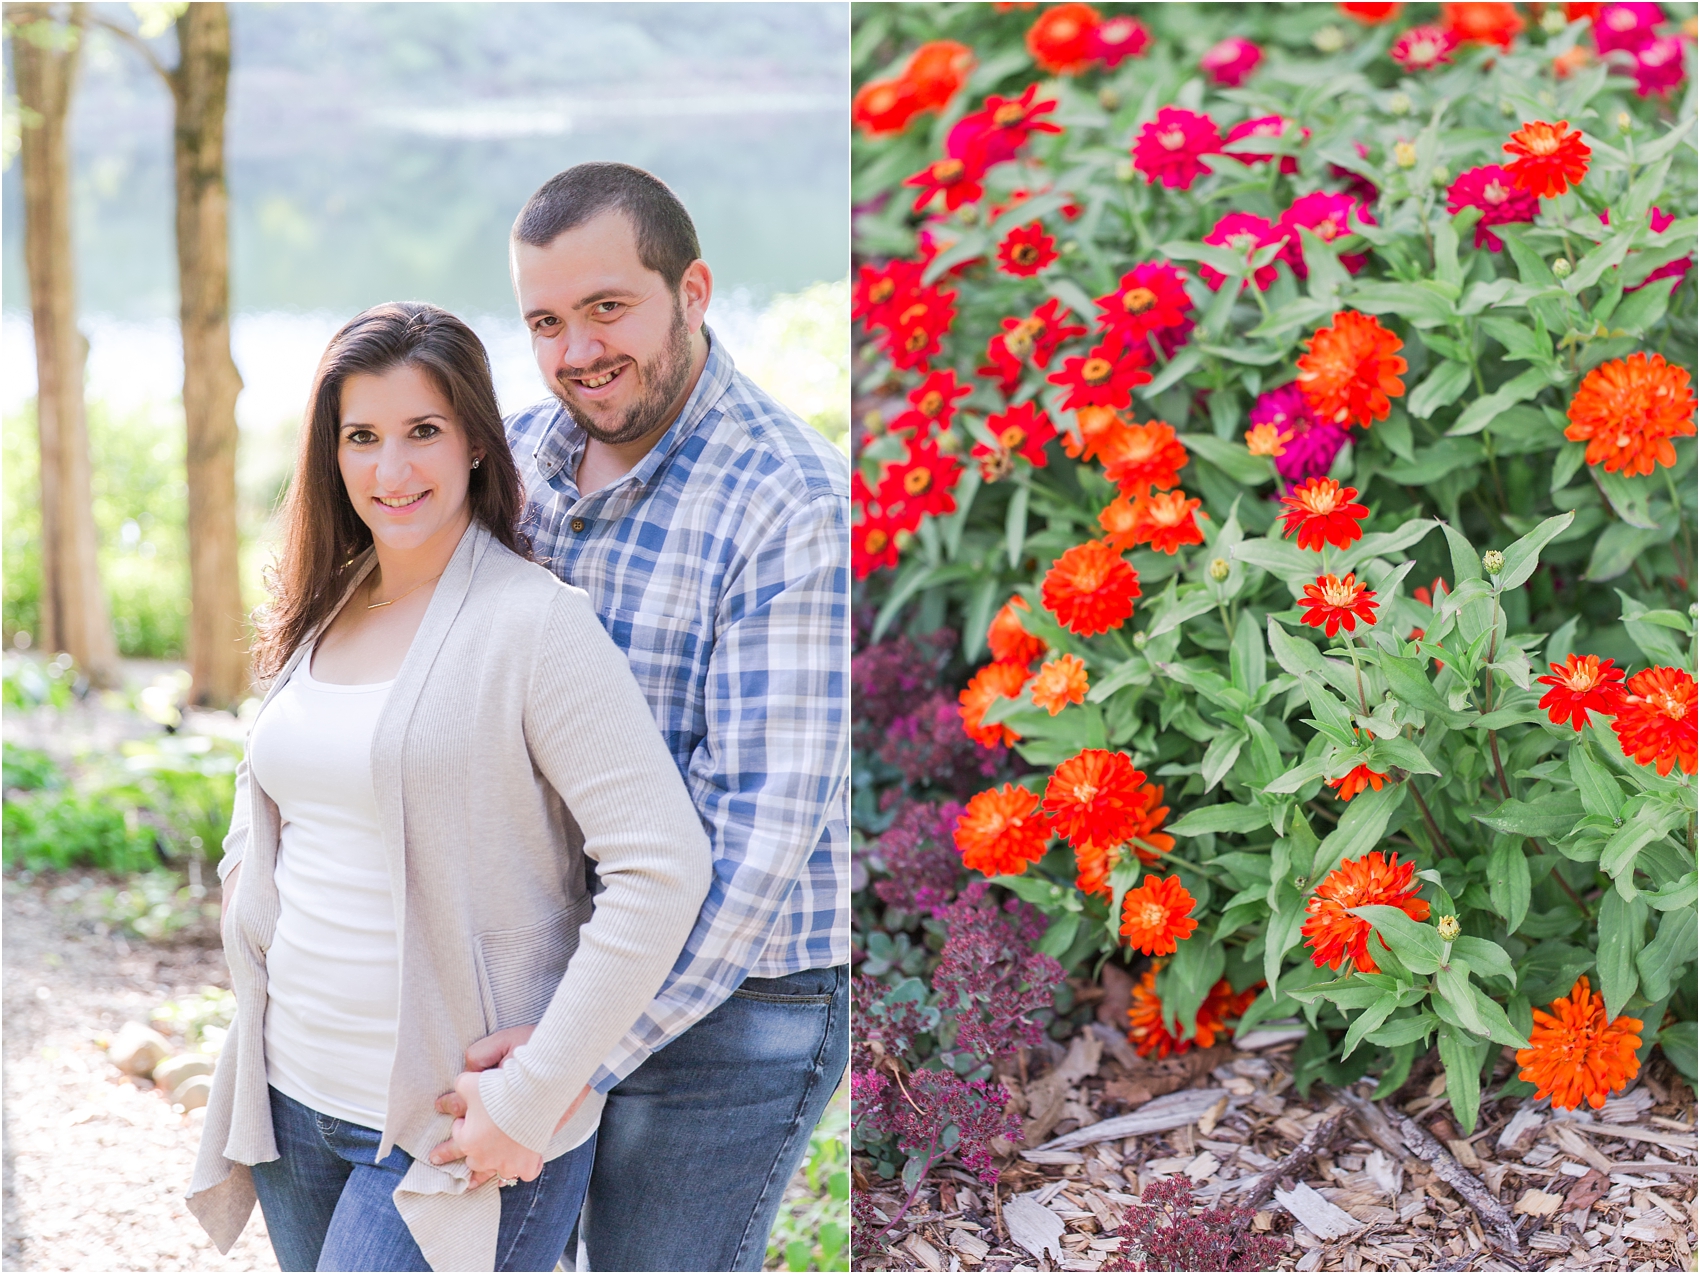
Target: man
[[710, 527]]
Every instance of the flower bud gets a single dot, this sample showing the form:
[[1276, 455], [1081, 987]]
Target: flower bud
[[1552, 21], [1139, 640], [1404, 154], [1625, 123], [1440, 174], [1109, 99], [1219, 569], [1507, 107], [873, 422], [1330, 39], [1124, 170], [1493, 561], [968, 214], [1399, 104], [1449, 928], [1561, 268], [950, 442]]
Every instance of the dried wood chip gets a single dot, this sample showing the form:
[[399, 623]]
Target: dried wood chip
[[1207, 1121], [1649, 1229], [1538, 1203], [1464, 1153], [1034, 1226], [1203, 1167], [1572, 1143], [924, 1252], [971, 1248], [1177, 1110], [1316, 1213], [1522, 1128], [1588, 1191]]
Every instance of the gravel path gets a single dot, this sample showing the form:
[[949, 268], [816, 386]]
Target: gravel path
[[95, 1163]]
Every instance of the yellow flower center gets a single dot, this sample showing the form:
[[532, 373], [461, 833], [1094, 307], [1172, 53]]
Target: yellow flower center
[[1153, 916], [917, 341], [917, 481], [1173, 139], [877, 540], [1543, 144], [1085, 793], [1004, 116], [1024, 254], [1013, 437], [1494, 193], [948, 171], [1327, 230], [1337, 592], [932, 403], [1019, 340], [1584, 678], [1097, 371], [1321, 499], [1668, 703], [1423, 51], [1138, 300], [882, 291]]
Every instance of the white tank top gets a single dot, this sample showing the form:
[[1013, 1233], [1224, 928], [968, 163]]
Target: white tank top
[[333, 970]]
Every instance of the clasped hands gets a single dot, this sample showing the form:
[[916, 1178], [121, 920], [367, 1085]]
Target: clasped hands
[[489, 1151]]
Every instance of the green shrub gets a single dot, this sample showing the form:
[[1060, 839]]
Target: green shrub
[[61, 830], [812, 1233], [28, 769]]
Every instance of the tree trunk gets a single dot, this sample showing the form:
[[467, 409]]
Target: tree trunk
[[218, 656], [74, 618]]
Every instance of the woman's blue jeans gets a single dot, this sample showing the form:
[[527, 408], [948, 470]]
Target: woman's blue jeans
[[328, 1205]]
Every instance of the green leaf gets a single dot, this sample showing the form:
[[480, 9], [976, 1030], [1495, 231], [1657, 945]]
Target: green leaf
[[1405, 1030], [1525, 385], [1015, 524], [1463, 1076], [1280, 937], [1295, 778], [1401, 752], [1601, 796], [1618, 548], [1678, 1042], [1650, 822], [1622, 929], [1360, 829], [1466, 562], [1194, 968], [1500, 1030], [1662, 961], [1185, 360], [1206, 820], [1294, 654], [1441, 388], [1191, 606], [1368, 1020], [1220, 756], [1487, 958], [1453, 982], [1524, 555], [1418, 946], [1410, 683], [1552, 817], [1508, 881], [1060, 936], [1430, 464], [1246, 659], [1283, 560], [1422, 305], [1231, 458]]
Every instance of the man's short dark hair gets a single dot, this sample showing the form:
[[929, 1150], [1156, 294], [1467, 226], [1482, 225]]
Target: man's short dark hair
[[666, 238]]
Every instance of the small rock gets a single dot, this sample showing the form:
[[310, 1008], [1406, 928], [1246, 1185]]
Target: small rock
[[193, 1092], [137, 1049], [174, 1070]]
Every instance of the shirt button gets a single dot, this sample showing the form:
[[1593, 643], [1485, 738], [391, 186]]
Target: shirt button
[[578, 524]]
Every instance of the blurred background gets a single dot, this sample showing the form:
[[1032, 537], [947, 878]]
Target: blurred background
[[372, 152]]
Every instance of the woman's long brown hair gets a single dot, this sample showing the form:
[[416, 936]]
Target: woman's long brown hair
[[323, 536]]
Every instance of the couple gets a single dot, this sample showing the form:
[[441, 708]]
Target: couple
[[501, 947]]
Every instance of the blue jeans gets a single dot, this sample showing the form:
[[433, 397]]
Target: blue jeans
[[698, 1144], [328, 1204]]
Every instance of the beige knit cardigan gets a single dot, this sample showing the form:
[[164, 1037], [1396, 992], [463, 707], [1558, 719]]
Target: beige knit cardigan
[[514, 744]]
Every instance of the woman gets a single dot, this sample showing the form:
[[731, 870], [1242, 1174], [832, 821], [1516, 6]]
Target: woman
[[448, 735]]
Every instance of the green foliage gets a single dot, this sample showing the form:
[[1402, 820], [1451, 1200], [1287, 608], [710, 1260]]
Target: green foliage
[[812, 1232], [1555, 855], [58, 831], [152, 905], [201, 1018], [29, 769]]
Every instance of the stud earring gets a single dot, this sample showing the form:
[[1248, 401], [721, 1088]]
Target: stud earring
[[477, 460]]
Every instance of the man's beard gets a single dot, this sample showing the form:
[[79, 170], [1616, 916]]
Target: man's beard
[[664, 378]]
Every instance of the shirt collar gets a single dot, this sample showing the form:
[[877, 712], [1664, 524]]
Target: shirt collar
[[562, 443]]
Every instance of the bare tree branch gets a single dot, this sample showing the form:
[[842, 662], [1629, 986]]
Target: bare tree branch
[[141, 46]]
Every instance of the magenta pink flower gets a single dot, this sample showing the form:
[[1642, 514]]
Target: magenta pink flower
[[1116, 39], [1311, 450], [1660, 221], [1242, 232], [1266, 126], [1358, 186], [1230, 61], [1491, 189], [1659, 67], [1171, 147], [1628, 27], [1423, 48], [1328, 217]]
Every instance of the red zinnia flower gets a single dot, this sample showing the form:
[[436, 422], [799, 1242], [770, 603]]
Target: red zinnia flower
[[916, 329], [1423, 48], [884, 107], [1333, 933], [1577, 1055], [1579, 683], [1244, 232], [959, 183], [1094, 863], [931, 404], [1501, 200], [1172, 146], [937, 71], [1370, 14], [883, 292], [1002, 830], [921, 484], [1026, 250], [1139, 457], [1157, 916], [1337, 603], [1150, 297], [1355, 781], [1059, 683], [1036, 336], [1090, 589], [1010, 642], [1117, 39], [1229, 62], [1628, 410], [1549, 158], [1001, 127], [1483, 23], [1094, 798], [1105, 378], [873, 544], [1061, 40], [1656, 719], [1352, 370], [1328, 217], [1025, 430], [1321, 509], [1264, 126], [993, 682], [1149, 1033]]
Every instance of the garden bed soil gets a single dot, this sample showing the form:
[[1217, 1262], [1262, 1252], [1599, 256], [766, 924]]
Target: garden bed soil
[[1578, 1201]]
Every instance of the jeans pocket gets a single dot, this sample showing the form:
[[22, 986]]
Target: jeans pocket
[[811, 986]]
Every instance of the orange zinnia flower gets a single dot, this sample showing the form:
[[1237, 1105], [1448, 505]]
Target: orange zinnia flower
[[1060, 683], [993, 682], [1579, 683], [1150, 1035], [1331, 603], [1352, 370], [1577, 1054], [1157, 915], [1356, 780], [1090, 589], [1656, 719], [1267, 440], [1010, 642], [1320, 509], [1333, 933], [1165, 522], [1548, 159], [1094, 863], [1628, 410], [1139, 457], [1120, 523], [1098, 426], [1483, 23], [1094, 797], [1002, 830]]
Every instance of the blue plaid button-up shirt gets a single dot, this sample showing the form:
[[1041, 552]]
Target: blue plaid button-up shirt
[[720, 565]]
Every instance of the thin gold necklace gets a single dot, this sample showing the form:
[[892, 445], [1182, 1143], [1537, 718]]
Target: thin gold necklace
[[421, 584]]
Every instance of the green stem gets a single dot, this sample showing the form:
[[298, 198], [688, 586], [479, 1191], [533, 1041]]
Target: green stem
[[1487, 702], [1352, 650], [1441, 847]]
